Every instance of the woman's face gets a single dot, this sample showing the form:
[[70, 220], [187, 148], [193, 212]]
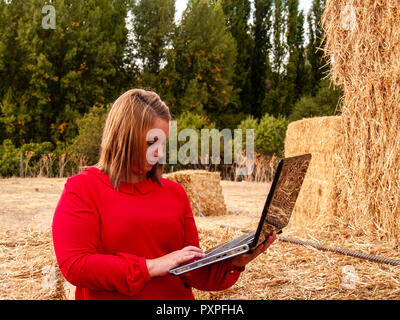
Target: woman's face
[[157, 135]]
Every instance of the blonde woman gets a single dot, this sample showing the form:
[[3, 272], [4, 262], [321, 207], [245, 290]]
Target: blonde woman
[[119, 227]]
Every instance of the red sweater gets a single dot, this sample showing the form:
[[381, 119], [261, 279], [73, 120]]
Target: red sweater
[[103, 237]]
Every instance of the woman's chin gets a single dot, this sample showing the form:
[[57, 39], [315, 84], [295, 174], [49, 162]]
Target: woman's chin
[[147, 168]]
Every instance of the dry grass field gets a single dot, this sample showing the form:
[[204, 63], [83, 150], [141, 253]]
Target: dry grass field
[[286, 271]]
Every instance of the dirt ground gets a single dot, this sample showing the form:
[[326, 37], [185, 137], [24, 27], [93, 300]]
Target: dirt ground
[[286, 271], [29, 202]]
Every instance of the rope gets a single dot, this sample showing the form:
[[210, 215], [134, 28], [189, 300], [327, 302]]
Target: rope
[[356, 254], [346, 252]]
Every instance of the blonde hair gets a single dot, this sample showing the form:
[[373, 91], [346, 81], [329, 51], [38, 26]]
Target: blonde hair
[[124, 135]]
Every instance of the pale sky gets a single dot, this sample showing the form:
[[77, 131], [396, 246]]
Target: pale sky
[[180, 5]]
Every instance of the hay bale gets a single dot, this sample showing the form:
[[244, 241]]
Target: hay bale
[[28, 266], [363, 41], [319, 136], [203, 189]]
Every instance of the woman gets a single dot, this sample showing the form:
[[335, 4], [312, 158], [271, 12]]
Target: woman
[[119, 227]]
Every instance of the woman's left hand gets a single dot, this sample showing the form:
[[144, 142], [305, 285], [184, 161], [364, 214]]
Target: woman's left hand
[[243, 259]]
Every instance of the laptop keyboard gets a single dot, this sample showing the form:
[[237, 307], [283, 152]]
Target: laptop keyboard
[[233, 243]]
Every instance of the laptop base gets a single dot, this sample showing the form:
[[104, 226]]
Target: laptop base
[[228, 250]]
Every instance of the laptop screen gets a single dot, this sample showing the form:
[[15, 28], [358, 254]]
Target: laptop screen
[[285, 188]]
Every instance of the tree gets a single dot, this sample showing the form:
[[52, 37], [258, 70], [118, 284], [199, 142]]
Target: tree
[[260, 66], [237, 13], [278, 45], [302, 71], [198, 76], [291, 67], [296, 71], [56, 75], [315, 57], [275, 99], [13, 72], [153, 26]]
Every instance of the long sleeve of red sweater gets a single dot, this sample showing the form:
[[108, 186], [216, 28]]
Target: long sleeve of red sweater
[[102, 238]]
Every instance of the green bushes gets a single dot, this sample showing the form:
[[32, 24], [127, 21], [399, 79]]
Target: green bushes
[[187, 120], [90, 128], [323, 104], [45, 159], [190, 120], [9, 159], [269, 134], [37, 149], [31, 155], [39, 159]]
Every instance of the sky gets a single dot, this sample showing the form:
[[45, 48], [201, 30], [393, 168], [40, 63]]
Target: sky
[[180, 5]]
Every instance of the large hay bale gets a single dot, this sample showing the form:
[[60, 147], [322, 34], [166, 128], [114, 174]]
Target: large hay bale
[[363, 42], [203, 189], [28, 266], [319, 136]]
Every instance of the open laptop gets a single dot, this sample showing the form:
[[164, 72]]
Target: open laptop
[[275, 216]]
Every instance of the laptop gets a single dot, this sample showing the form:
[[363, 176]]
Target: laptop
[[276, 214]]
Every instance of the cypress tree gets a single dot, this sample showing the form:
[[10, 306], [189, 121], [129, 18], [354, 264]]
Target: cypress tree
[[260, 66], [302, 72], [291, 67], [237, 14], [153, 25], [314, 54], [275, 100]]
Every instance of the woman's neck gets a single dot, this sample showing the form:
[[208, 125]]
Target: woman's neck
[[137, 178]]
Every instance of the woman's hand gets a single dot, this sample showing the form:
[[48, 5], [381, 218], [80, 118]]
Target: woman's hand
[[243, 259], [161, 266]]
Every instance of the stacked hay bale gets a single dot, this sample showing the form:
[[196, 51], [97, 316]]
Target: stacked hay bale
[[319, 136], [203, 189], [363, 43]]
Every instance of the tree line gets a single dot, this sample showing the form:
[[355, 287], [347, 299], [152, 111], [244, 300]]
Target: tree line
[[229, 63]]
